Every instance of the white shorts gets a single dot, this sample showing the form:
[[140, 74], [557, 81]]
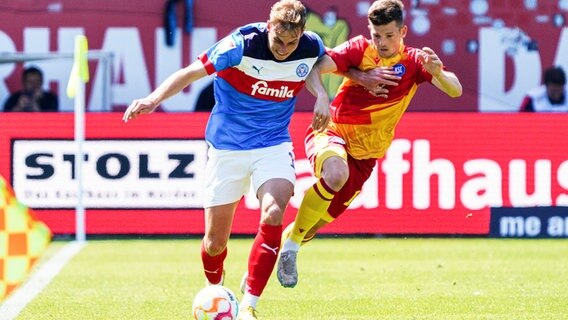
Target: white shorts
[[229, 173]]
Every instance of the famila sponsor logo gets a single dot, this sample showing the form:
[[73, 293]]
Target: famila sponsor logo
[[261, 88]]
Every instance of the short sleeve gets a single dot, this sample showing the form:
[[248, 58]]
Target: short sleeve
[[349, 54], [226, 53]]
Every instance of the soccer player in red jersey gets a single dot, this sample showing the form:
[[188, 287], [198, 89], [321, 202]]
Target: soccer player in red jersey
[[364, 115]]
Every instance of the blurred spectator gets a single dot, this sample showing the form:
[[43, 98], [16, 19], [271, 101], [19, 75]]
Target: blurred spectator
[[549, 97], [32, 97]]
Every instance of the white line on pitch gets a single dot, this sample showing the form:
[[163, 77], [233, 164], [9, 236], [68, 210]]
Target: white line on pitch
[[18, 300]]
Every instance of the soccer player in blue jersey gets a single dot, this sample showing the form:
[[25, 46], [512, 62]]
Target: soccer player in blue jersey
[[259, 70]]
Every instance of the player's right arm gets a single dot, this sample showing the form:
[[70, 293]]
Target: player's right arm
[[314, 84], [170, 87]]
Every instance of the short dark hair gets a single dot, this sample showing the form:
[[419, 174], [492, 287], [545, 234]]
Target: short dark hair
[[554, 75], [31, 70], [384, 12]]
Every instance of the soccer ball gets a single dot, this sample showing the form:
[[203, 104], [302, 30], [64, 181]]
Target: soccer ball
[[215, 303]]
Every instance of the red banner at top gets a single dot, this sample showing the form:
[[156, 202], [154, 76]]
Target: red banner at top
[[498, 49]]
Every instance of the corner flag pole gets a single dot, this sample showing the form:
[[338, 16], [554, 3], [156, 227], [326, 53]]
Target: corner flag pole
[[76, 89]]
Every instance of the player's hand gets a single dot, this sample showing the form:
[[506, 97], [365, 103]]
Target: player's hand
[[138, 107], [431, 61], [322, 114], [378, 79]]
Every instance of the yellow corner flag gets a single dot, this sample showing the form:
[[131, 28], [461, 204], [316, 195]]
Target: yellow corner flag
[[80, 70], [22, 240]]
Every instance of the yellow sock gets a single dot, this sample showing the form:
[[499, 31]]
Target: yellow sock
[[306, 240], [287, 233], [313, 207]]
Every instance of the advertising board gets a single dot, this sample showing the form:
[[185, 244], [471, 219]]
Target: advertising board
[[442, 175]]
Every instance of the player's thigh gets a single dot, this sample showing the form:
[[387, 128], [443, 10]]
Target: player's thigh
[[321, 146], [274, 174], [227, 176]]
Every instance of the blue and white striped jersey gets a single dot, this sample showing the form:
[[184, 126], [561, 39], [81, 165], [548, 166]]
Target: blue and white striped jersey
[[255, 93]]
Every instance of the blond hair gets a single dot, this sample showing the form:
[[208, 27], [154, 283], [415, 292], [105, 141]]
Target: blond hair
[[288, 15]]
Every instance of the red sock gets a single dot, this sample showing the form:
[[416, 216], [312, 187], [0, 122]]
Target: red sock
[[213, 265], [263, 257]]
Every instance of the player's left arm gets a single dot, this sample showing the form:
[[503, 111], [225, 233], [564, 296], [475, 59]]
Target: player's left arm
[[444, 80]]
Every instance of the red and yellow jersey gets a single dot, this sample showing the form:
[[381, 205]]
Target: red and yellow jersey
[[366, 122]]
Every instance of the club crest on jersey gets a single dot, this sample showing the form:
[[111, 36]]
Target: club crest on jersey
[[400, 69], [262, 88], [302, 70]]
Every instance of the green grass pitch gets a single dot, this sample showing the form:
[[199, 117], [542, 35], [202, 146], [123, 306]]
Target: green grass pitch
[[392, 278]]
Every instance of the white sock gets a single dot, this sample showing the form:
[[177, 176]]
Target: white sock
[[290, 245], [248, 300]]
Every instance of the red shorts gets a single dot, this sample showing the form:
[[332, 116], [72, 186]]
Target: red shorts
[[322, 145]]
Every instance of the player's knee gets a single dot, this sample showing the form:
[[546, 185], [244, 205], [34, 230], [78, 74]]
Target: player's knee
[[272, 215], [213, 246], [273, 218], [336, 175]]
